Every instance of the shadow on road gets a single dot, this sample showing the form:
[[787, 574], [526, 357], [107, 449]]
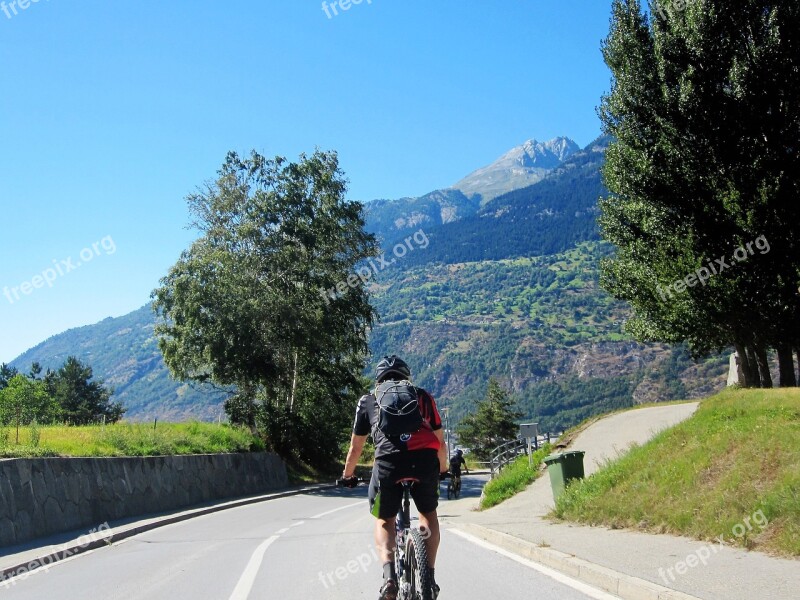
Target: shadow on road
[[471, 487]]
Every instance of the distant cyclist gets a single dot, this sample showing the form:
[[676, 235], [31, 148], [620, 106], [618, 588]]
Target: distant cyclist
[[455, 463], [419, 452]]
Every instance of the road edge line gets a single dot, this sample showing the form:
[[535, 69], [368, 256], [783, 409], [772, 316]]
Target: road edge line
[[122, 533], [626, 587]]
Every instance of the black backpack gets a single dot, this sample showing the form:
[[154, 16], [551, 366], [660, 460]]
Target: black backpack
[[398, 408]]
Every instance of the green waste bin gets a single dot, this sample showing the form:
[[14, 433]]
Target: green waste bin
[[563, 468]]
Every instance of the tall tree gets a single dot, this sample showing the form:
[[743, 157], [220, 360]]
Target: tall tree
[[268, 300], [81, 400], [704, 114], [6, 374], [492, 423]]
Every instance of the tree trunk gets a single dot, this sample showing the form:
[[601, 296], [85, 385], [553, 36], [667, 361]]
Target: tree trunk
[[763, 366], [797, 354], [294, 385], [786, 366], [747, 371], [750, 368]]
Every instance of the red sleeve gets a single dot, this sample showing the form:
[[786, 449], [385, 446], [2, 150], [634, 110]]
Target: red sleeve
[[430, 412]]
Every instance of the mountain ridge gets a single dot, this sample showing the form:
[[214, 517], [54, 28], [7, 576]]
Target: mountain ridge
[[508, 289], [520, 167]]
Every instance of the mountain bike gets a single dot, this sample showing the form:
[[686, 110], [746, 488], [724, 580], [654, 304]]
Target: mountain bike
[[454, 486], [410, 553]]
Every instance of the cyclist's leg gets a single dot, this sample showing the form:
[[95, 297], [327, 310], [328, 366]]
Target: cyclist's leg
[[426, 498], [385, 539], [385, 499], [429, 525]]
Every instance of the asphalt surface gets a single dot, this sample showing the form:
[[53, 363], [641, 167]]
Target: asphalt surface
[[309, 546]]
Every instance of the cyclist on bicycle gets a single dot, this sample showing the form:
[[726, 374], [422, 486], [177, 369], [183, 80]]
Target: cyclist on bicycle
[[420, 455], [455, 463]]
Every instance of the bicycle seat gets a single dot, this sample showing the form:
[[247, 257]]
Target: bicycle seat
[[407, 480]]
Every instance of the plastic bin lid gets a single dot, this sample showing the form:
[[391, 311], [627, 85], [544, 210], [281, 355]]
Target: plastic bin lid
[[563, 455]]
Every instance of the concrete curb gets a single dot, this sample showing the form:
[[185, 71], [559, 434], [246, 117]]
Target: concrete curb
[[608, 580], [72, 548]]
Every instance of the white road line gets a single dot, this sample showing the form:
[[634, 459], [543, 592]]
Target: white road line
[[335, 510], [245, 585], [248, 578], [552, 573]]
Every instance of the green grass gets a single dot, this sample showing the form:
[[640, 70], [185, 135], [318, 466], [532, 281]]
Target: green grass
[[513, 479], [739, 454], [126, 439]]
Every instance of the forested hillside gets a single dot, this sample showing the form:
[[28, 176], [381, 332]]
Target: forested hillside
[[508, 290]]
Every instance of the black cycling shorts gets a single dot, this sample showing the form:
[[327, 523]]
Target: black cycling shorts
[[386, 494]]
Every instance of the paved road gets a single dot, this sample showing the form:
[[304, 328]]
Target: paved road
[[308, 546]]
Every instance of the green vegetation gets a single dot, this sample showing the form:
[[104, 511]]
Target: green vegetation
[[540, 324], [492, 423], [124, 439], [514, 478], [740, 453], [66, 395], [265, 303], [704, 173]]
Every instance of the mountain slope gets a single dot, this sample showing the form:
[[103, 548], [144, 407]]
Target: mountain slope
[[545, 218], [508, 289], [124, 353], [519, 167], [391, 220]]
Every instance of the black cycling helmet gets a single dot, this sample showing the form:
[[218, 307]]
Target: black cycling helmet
[[392, 365], [459, 452]]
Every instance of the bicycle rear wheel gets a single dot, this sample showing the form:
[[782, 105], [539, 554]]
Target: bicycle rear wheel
[[450, 491], [417, 574], [457, 488]]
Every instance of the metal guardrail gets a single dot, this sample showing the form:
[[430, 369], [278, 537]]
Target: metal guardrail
[[505, 453], [509, 451]]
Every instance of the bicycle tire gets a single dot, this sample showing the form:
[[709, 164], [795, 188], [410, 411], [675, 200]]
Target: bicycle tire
[[457, 489], [419, 578], [450, 491]]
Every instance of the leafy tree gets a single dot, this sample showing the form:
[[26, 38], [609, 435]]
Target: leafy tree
[[23, 401], [81, 401], [705, 120], [492, 423], [267, 299]]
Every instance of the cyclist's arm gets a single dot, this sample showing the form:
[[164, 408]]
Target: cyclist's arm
[[353, 454]]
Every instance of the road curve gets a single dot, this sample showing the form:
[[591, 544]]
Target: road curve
[[316, 545]]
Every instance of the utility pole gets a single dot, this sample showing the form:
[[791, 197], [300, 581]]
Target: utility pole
[[446, 411]]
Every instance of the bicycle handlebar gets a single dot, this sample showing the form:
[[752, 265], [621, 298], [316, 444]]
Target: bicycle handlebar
[[351, 482]]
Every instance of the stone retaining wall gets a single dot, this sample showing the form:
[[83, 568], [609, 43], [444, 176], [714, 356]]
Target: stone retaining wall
[[43, 496]]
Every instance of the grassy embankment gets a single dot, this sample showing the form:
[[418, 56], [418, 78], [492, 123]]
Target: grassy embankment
[[125, 439], [514, 478], [708, 477]]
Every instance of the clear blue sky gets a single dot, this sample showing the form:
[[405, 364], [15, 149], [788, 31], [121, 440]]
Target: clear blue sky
[[114, 111]]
